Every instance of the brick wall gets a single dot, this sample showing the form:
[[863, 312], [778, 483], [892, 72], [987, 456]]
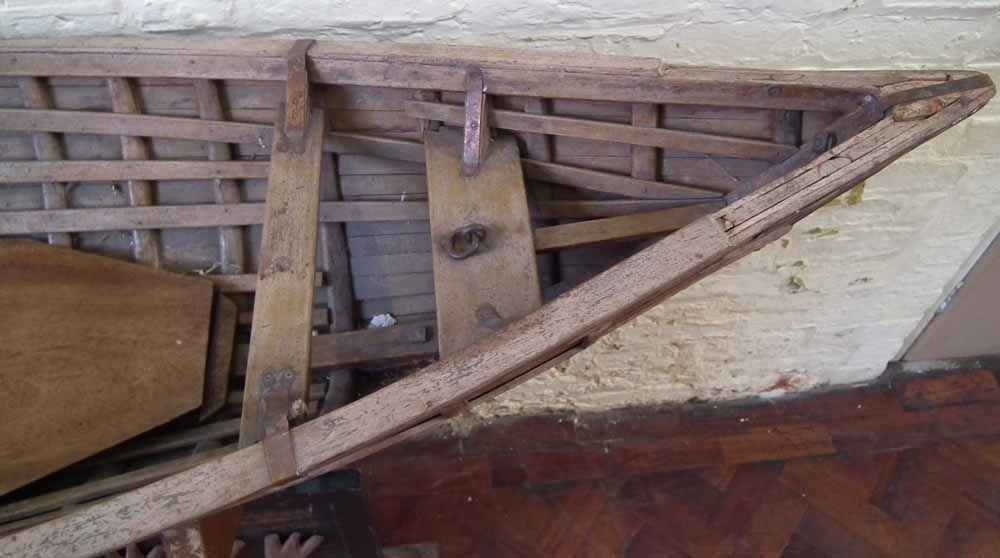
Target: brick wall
[[830, 303]]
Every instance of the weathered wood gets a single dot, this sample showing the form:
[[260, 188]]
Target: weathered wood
[[188, 216], [232, 247], [134, 171], [282, 325], [73, 323], [476, 132], [220, 356], [297, 105], [47, 148], [597, 209], [626, 227], [611, 183], [145, 243], [645, 160], [608, 131], [245, 282], [498, 281], [183, 542]]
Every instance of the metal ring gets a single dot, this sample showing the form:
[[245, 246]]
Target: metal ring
[[465, 241]]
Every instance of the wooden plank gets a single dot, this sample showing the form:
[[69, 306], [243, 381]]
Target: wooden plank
[[232, 246], [398, 410], [47, 148], [596, 209], [145, 243], [612, 183], [58, 302], [192, 216], [607, 131], [501, 279], [612, 229], [245, 282], [220, 357], [115, 171], [645, 160], [282, 327]]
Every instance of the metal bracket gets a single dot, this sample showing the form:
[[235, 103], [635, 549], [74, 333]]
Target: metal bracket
[[276, 436], [476, 138], [297, 103]]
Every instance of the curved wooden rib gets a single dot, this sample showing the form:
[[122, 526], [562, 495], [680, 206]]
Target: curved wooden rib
[[562, 326]]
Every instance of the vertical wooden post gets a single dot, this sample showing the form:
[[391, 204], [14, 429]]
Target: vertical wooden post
[[145, 244], [47, 148]]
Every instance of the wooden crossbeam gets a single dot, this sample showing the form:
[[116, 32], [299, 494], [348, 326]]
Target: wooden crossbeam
[[714, 144], [613, 229], [115, 171]]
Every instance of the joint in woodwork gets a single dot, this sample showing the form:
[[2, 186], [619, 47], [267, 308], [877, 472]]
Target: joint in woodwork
[[476, 137], [276, 437], [297, 104]]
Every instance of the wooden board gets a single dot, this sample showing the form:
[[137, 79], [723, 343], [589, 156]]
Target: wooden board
[[128, 341], [503, 274]]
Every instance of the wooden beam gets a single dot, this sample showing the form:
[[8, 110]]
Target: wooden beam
[[599, 209], [574, 319], [613, 229], [193, 216], [282, 315], [116, 171], [145, 243], [47, 148], [611, 183], [713, 144], [486, 276], [232, 245], [245, 282]]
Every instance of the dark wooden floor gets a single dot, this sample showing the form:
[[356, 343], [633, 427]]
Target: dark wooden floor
[[908, 467]]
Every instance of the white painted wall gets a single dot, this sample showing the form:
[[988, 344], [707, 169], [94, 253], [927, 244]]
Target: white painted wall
[[830, 303]]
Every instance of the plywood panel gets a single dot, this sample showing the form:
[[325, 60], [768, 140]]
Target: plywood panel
[[501, 279], [94, 352]]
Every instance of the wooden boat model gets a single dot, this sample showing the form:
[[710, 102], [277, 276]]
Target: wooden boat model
[[506, 209]]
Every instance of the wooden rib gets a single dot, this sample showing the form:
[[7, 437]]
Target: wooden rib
[[245, 282], [599, 209], [576, 317], [133, 171], [625, 227], [145, 243], [282, 314], [611, 183], [192, 216], [232, 247], [47, 148], [645, 160], [608, 131]]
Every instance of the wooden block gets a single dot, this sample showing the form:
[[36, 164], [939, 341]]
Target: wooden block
[[502, 275], [128, 340]]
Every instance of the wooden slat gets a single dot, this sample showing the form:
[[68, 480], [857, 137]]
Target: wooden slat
[[134, 171], [283, 309], [145, 243], [220, 356], [245, 282], [47, 148], [192, 216], [611, 183], [607, 131], [390, 414], [232, 246], [645, 160], [626, 227], [597, 209], [502, 278]]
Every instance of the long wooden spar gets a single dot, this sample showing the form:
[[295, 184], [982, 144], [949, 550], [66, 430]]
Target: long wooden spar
[[569, 322]]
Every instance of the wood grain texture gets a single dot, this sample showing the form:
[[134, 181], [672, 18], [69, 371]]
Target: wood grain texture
[[282, 316], [502, 277], [130, 341]]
